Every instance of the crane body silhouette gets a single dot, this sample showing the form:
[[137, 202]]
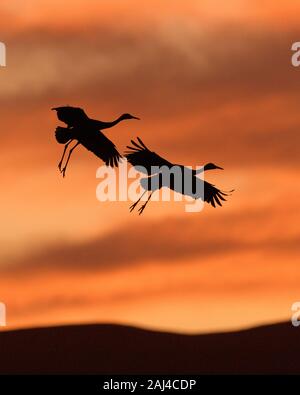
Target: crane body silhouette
[[87, 132], [153, 165]]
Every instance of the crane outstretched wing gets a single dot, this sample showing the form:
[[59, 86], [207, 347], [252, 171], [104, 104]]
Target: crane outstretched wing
[[101, 146], [213, 195], [70, 115], [147, 161]]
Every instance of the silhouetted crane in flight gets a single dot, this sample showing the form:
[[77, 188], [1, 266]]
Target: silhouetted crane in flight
[[87, 133], [152, 164]]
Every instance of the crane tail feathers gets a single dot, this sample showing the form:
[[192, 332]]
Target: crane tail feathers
[[142, 144], [217, 200], [213, 195], [63, 135], [132, 148], [135, 144]]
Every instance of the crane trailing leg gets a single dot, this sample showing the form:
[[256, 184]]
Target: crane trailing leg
[[142, 208], [132, 207], [63, 155], [63, 136], [63, 170]]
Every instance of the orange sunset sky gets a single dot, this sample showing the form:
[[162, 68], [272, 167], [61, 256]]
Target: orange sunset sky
[[212, 81]]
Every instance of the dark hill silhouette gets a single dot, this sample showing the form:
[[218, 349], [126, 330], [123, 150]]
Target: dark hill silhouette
[[116, 349]]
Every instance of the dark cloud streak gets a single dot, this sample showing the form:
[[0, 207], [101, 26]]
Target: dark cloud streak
[[167, 240]]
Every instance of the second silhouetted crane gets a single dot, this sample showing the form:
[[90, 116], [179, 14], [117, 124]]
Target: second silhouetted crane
[[150, 163], [88, 133]]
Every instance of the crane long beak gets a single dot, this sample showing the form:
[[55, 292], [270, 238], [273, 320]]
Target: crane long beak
[[136, 118], [218, 167]]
